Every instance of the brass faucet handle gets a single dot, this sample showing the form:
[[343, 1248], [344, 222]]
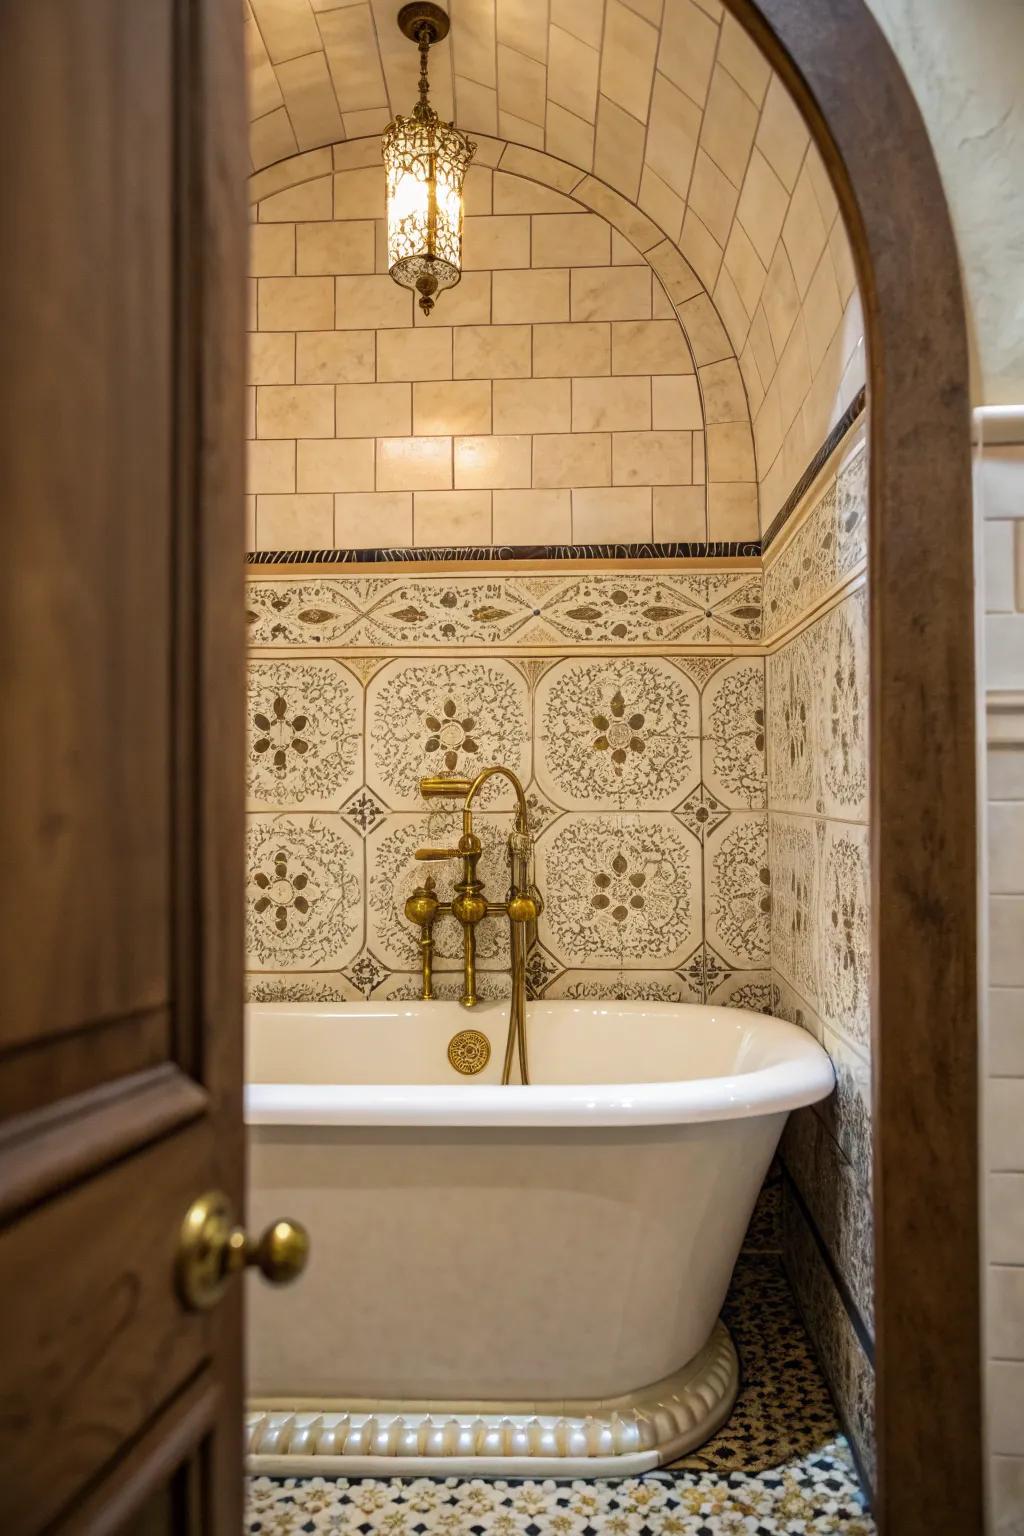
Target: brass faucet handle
[[434, 786], [422, 906], [438, 853]]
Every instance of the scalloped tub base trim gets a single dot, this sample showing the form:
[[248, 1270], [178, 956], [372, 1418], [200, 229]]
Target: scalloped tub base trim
[[612, 1437]]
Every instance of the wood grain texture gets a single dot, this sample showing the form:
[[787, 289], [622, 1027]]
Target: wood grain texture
[[841, 71]]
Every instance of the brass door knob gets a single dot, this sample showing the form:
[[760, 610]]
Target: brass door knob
[[212, 1248]]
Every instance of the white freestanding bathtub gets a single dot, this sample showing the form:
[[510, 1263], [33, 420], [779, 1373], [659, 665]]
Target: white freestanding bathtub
[[506, 1277]]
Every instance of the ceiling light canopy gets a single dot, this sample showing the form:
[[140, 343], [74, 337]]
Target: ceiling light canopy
[[425, 163]]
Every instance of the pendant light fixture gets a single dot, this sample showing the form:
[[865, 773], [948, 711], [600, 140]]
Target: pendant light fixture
[[425, 163]]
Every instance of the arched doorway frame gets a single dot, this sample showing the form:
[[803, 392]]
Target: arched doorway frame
[[864, 119]]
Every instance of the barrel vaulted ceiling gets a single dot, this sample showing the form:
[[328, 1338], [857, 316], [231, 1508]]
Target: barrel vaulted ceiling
[[670, 103]]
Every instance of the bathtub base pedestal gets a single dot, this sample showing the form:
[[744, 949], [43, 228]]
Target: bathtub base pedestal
[[616, 1437]]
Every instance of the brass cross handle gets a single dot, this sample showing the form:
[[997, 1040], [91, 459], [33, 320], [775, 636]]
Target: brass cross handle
[[212, 1248]]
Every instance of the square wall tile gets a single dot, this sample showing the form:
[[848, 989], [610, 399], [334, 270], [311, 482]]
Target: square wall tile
[[676, 403], [270, 466], [271, 357], [495, 242], [650, 346]]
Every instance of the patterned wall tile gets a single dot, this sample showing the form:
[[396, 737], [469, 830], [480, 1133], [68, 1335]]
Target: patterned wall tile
[[628, 891], [839, 644], [737, 890], [744, 989], [792, 728], [617, 733], [304, 741], [304, 901], [630, 986], [406, 986], [793, 860], [844, 932], [825, 549], [295, 987], [838, 1201], [733, 731], [445, 717]]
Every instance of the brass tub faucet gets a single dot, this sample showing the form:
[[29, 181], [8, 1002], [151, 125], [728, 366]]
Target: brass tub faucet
[[469, 906]]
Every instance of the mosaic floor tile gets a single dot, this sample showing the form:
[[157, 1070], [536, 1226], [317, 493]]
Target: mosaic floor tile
[[779, 1465]]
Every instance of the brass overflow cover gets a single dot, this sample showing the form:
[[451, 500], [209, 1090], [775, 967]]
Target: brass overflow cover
[[469, 1051]]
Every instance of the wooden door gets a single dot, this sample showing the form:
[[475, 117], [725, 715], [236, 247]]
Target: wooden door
[[122, 267]]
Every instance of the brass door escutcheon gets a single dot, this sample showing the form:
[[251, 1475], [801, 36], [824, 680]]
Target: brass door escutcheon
[[212, 1248]]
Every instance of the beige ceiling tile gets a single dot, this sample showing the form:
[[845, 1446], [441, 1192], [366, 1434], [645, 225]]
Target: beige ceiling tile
[[372, 120], [310, 99], [583, 18], [288, 27], [618, 148], [572, 73], [781, 300], [730, 119], [782, 136], [687, 52], [519, 161], [842, 259], [473, 39], [522, 84], [794, 374], [744, 59], [400, 62], [627, 59], [569, 137], [567, 239], [359, 194], [514, 194], [650, 10], [701, 250], [712, 8], [822, 184], [823, 311], [712, 197], [704, 331], [725, 398], [271, 138], [751, 378], [264, 91], [804, 231], [309, 200], [762, 206], [679, 280], [620, 213], [350, 42], [573, 348], [731, 310], [663, 205], [762, 347], [352, 157], [730, 448], [523, 25], [278, 178], [488, 150], [768, 428], [672, 135], [519, 131], [478, 106], [662, 307], [745, 268]]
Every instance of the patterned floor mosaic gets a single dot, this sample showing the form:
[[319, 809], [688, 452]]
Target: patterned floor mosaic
[[780, 1465]]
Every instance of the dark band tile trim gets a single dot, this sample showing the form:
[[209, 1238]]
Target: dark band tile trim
[[802, 486], [494, 552]]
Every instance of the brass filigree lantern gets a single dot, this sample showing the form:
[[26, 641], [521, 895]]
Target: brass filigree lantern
[[425, 163]]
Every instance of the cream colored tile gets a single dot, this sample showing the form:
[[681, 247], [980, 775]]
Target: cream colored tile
[[730, 451], [768, 433], [302, 168], [1006, 925], [478, 192], [571, 239], [701, 249], [334, 357], [373, 520], [295, 303], [1005, 1211], [522, 24], [287, 29], [751, 376], [572, 459], [353, 156], [725, 399], [823, 311], [672, 135], [531, 405], [264, 91], [663, 205], [708, 341], [252, 288], [250, 524], [494, 463], [532, 517], [611, 293], [373, 120], [1006, 1493], [804, 231], [522, 81], [308, 200], [517, 160], [294, 522], [582, 18], [611, 516], [676, 403], [343, 464], [513, 194], [762, 206], [250, 414], [687, 52], [680, 514], [414, 463], [743, 59], [621, 214], [520, 130], [452, 517], [627, 59], [652, 458], [373, 410], [745, 268], [447, 409], [270, 467], [271, 138], [572, 73], [341, 246], [359, 194], [468, 303], [478, 106], [1005, 1403], [284, 410], [730, 119], [713, 197], [611, 405], [570, 137], [794, 374], [414, 354], [700, 469], [675, 274], [473, 42], [310, 99], [731, 310], [732, 512], [271, 250], [576, 348], [650, 346], [272, 357], [781, 306], [372, 301], [624, 252], [354, 57], [1004, 1056], [491, 351], [496, 241], [842, 260], [662, 307], [822, 184], [1004, 1110], [618, 148], [781, 135], [530, 296]]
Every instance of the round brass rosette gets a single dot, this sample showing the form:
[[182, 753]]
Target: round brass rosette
[[469, 1051]]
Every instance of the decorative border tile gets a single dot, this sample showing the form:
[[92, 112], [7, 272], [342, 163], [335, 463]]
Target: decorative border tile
[[699, 550]]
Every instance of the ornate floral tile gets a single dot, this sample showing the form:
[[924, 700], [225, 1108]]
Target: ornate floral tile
[[827, 547], [303, 893], [733, 735], [737, 918], [304, 734]]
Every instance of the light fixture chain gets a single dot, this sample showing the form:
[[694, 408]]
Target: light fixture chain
[[424, 43]]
